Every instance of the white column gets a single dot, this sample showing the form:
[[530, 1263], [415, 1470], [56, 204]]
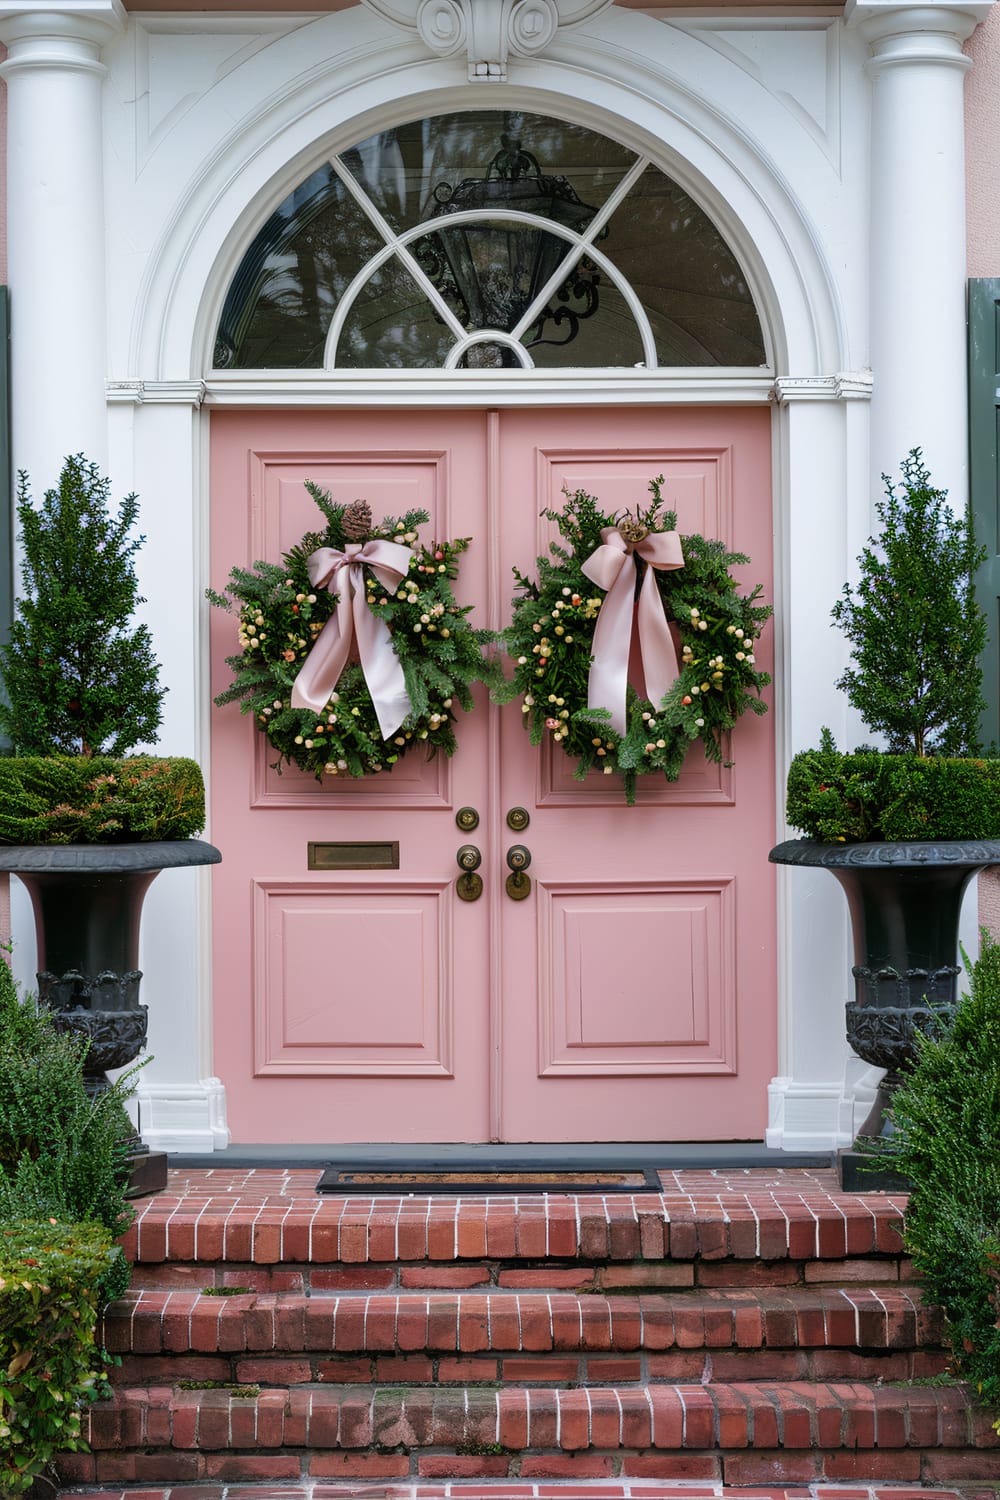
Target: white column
[[917, 245], [55, 229]]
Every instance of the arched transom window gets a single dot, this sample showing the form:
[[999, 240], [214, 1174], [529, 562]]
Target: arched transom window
[[487, 239]]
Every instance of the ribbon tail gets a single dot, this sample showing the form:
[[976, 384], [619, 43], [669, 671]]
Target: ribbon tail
[[659, 656], [320, 672], [381, 668], [607, 683]]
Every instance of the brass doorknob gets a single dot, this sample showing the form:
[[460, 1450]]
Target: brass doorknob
[[469, 886], [518, 884]]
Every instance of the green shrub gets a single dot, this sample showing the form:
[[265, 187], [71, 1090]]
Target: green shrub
[[914, 624], [63, 1155], [841, 798], [79, 677], [50, 1279], [97, 800], [947, 1143]]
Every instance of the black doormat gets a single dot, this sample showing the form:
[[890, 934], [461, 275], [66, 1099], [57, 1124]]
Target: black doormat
[[480, 1180]]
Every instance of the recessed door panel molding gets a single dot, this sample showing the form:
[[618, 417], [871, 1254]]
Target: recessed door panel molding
[[697, 484], [636, 978], [415, 782], [281, 512], [332, 995], [701, 782]]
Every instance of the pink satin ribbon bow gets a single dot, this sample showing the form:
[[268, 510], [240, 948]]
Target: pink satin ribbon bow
[[343, 573], [606, 566]]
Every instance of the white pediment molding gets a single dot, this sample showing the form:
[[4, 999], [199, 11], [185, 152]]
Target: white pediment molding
[[487, 31]]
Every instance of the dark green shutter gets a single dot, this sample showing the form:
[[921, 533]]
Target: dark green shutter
[[984, 476], [6, 485]]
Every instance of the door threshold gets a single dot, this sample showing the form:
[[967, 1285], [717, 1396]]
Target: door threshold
[[703, 1156]]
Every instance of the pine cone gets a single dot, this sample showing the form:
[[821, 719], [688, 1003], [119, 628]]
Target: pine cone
[[357, 521]]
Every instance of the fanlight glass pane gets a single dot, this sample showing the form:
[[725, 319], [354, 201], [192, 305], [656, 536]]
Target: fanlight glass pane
[[456, 180], [585, 325], [283, 296], [409, 170], [687, 278], [490, 272], [392, 326]]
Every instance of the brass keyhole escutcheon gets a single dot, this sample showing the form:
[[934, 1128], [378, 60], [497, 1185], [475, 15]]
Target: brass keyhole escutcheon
[[467, 819], [518, 819], [469, 885]]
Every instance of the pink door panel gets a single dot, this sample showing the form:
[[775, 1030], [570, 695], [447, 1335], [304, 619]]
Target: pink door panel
[[632, 995], [349, 1004]]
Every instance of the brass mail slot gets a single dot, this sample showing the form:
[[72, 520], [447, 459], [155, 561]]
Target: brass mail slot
[[374, 856]]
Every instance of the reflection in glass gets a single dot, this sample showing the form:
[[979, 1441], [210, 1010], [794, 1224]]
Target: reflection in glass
[[697, 307], [288, 284], [402, 169], [687, 278], [392, 326]]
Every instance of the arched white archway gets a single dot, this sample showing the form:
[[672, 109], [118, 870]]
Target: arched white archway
[[702, 144]]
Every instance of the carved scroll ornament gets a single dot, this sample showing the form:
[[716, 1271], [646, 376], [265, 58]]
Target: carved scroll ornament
[[488, 31]]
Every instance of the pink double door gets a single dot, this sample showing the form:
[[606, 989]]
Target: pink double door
[[631, 994]]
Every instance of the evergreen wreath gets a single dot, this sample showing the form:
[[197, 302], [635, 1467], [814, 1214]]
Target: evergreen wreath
[[281, 613], [551, 637]]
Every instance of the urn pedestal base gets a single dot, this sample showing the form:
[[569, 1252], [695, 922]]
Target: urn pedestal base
[[87, 904], [905, 901]]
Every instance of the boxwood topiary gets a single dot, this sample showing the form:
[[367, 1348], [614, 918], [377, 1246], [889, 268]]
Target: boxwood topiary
[[842, 798], [99, 800]]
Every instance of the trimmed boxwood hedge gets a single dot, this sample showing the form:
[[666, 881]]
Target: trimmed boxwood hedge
[[841, 798], [99, 800], [50, 1280]]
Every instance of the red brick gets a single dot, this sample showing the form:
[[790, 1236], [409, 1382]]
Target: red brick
[[444, 1278], [685, 1368], [408, 1369], [574, 1426], [867, 1272], [683, 1238], [896, 1464], [568, 1466], [653, 1274], [352, 1279], [344, 1371], [748, 1273], [608, 1371], [358, 1465], [527, 1370], [672, 1466], [546, 1278], [463, 1466], [939, 1465], [781, 1468], [251, 1469], [273, 1371], [468, 1371]]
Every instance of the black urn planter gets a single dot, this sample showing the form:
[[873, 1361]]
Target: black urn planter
[[905, 900], [87, 905]]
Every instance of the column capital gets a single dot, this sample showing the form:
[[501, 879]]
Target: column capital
[[935, 31], [58, 33]]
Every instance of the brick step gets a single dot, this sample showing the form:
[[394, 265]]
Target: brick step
[[745, 1433], [270, 1217], [523, 1490], [289, 1338]]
